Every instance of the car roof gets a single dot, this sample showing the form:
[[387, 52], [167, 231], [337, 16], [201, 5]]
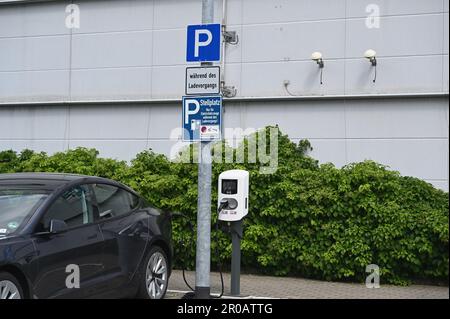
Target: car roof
[[44, 180]]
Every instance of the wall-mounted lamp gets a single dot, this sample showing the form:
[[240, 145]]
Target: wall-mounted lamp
[[371, 55], [317, 57]]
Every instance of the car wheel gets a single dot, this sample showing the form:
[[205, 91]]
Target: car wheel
[[9, 287], [155, 275]]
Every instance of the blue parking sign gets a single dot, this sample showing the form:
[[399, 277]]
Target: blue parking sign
[[203, 43], [202, 118]]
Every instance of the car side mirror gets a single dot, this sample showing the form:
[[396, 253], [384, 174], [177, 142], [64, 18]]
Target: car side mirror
[[57, 226]]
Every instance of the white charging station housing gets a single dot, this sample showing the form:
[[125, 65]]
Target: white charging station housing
[[233, 187]]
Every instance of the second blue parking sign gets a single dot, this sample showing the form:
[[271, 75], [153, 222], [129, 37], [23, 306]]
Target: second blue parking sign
[[202, 118]]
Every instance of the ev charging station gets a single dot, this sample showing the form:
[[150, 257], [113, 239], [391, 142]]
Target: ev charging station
[[232, 208], [233, 195]]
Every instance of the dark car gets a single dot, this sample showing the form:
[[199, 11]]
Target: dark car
[[73, 236]]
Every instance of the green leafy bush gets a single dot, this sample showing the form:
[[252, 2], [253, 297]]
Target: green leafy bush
[[306, 219]]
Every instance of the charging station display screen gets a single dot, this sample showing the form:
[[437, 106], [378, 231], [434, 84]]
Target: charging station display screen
[[229, 186]]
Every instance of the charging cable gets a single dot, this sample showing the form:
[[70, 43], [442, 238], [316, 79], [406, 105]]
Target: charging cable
[[191, 295]]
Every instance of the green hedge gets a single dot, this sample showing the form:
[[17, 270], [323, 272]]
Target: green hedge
[[310, 220]]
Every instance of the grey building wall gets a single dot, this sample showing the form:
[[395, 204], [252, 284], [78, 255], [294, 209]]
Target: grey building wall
[[132, 53], [135, 49], [410, 135]]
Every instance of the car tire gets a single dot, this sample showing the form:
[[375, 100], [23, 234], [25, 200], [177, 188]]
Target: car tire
[[10, 287], [154, 278]]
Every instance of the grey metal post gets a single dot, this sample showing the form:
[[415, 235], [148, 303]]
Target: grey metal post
[[203, 250], [236, 235]]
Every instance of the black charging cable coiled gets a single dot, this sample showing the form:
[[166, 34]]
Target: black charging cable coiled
[[191, 295]]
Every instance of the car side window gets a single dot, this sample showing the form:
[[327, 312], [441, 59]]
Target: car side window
[[74, 207], [114, 201]]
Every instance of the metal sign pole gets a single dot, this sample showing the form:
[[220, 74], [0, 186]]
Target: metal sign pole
[[203, 252]]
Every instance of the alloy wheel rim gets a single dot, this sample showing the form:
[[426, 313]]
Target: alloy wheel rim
[[8, 290], [156, 276]]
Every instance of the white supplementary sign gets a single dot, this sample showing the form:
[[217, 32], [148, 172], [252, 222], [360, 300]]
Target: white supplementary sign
[[203, 80]]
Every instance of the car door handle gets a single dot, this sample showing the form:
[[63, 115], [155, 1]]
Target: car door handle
[[134, 229], [92, 237]]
